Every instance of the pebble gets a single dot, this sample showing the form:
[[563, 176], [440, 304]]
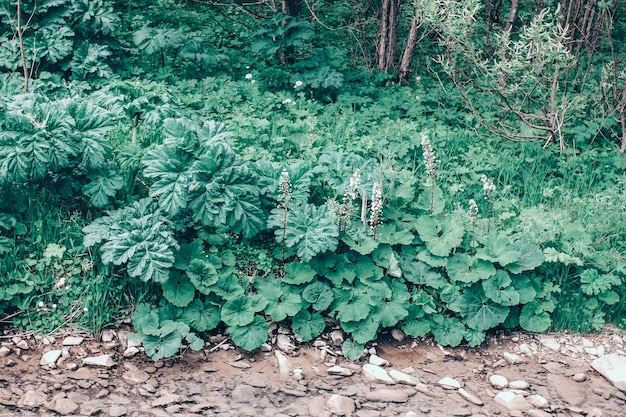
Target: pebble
[[32, 399], [376, 373], [72, 341], [519, 385], [108, 335], [498, 381], [387, 395], [22, 344], [580, 377], [512, 401], [550, 342], [613, 368], [512, 358], [64, 406], [117, 411], [403, 378], [336, 336], [284, 343], [449, 383], [340, 405], [244, 394], [166, 399], [4, 352], [377, 360], [284, 366], [50, 357], [398, 335], [103, 361], [130, 351], [339, 370], [537, 401], [470, 397], [135, 377]]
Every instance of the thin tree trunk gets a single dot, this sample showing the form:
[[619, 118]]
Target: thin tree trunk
[[512, 15], [20, 36], [388, 35], [289, 7], [411, 43]]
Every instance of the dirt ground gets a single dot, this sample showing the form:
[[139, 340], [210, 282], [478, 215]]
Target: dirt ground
[[546, 375]]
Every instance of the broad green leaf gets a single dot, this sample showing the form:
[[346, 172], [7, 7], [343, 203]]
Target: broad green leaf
[[352, 350], [238, 311], [308, 326], [319, 295], [448, 331], [102, 186], [202, 275], [362, 244], [201, 316], [416, 324], [424, 300], [146, 319], [479, 312], [498, 288], [355, 308], [389, 234], [250, 336], [367, 271], [525, 289], [362, 331], [425, 198], [440, 233], [289, 304], [420, 273], [609, 297], [534, 319], [452, 297], [195, 343], [593, 283], [298, 273], [474, 337], [498, 248], [463, 268], [228, 285], [530, 258], [178, 290], [389, 313], [164, 346]]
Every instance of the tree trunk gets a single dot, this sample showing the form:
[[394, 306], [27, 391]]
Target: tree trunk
[[512, 15], [290, 7], [388, 34], [411, 43]]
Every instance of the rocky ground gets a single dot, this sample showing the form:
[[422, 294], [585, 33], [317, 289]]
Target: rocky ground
[[513, 375]]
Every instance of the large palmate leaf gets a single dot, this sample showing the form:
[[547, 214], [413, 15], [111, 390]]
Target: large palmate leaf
[[464, 268], [308, 326], [530, 257], [201, 316], [137, 235], [362, 331], [534, 318], [353, 304], [498, 248], [594, 283], [238, 311], [479, 312], [298, 273], [250, 336], [310, 229], [319, 295], [448, 331], [202, 274], [103, 186], [440, 233], [420, 273], [499, 289], [178, 290]]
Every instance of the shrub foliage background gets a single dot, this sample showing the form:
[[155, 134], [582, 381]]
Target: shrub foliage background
[[212, 167]]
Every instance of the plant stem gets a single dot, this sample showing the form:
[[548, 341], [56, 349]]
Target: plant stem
[[20, 36]]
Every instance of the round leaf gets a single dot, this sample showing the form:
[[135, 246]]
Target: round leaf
[[251, 336], [307, 325], [238, 311]]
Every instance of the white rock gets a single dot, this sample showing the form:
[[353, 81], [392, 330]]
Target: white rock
[[340, 405], [512, 401], [4, 352], [449, 383], [339, 370], [613, 368], [336, 336], [402, 378], [131, 351], [104, 361], [387, 395], [266, 347], [284, 343], [31, 399], [512, 358], [470, 397], [398, 335], [72, 341], [50, 357], [526, 349], [284, 366], [587, 343], [498, 381], [376, 373], [107, 335], [550, 342], [377, 360], [538, 413], [48, 340], [65, 352], [22, 344], [581, 377], [537, 401], [519, 385], [601, 350]]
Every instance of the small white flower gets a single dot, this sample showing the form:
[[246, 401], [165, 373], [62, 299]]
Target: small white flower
[[252, 81], [248, 76], [40, 304], [247, 66], [488, 185], [298, 84], [54, 306], [85, 309], [473, 210], [287, 101]]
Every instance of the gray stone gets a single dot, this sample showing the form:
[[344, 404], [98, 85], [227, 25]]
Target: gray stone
[[244, 394], [339, 370], [580, 377], [32, 399], [512, 358], [284, 365], [568, 390], [449, 383], [537, 413], [498, 381], [398, 334], [336, 336], [284, 343], [520, 385], [470, 397], [135, 377], [22, 344], [377, 360], [4, 352], [131, 351], [166, 399], [72, 341], [512, 401], [549, 342], [402, 378], [64, 406], [117, 411], [340, 405], [50, 357], [107, 336], [387, 395], [376, 373], [613, 368], [103, 361], [537, 401]]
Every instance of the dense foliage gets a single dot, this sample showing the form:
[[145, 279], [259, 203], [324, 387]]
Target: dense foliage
[[206, 167]]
